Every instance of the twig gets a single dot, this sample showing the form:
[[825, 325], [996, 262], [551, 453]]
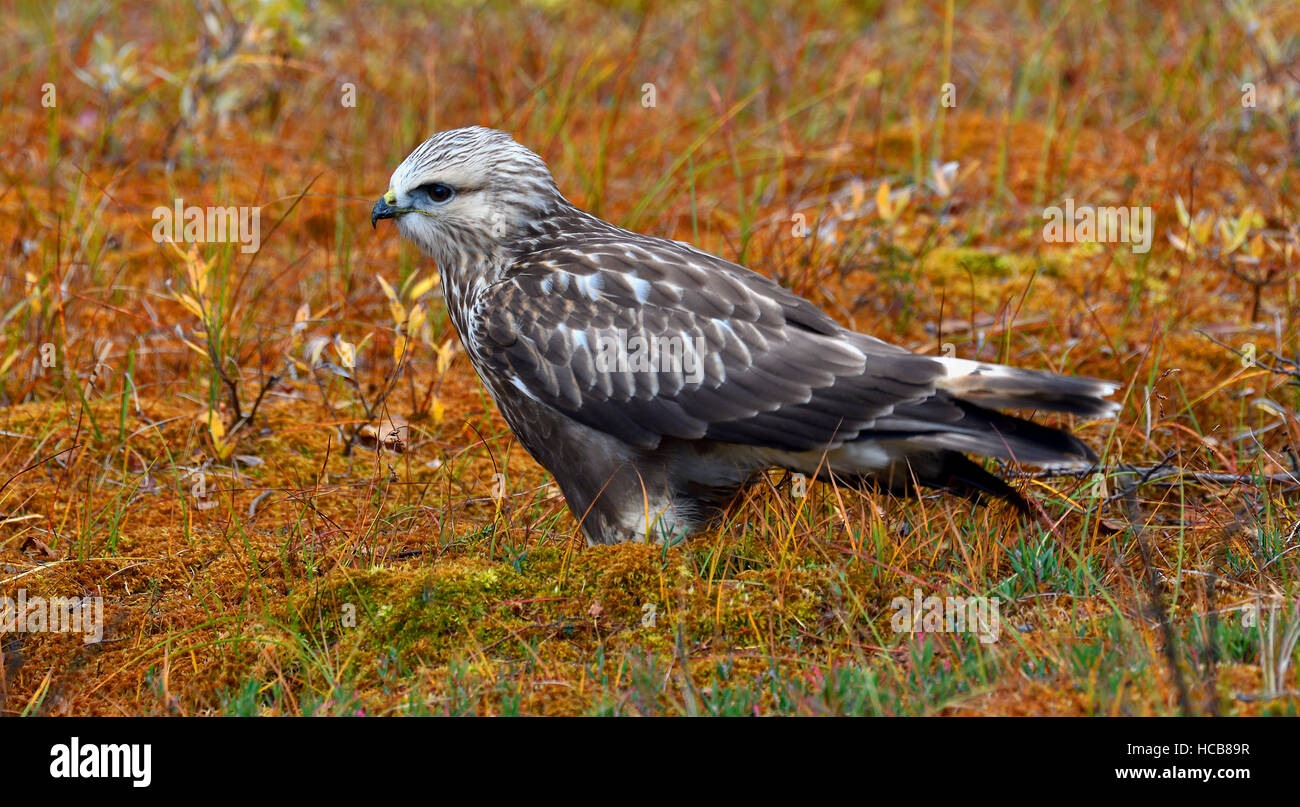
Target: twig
[[1293, 370], [1161, 474]]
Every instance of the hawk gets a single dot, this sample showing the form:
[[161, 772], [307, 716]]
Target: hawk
[[654, 380]]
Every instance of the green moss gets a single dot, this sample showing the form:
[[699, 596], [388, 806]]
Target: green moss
[[963, 263], [577, 605]]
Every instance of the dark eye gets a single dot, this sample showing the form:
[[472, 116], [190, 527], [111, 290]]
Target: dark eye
[[438, 192]]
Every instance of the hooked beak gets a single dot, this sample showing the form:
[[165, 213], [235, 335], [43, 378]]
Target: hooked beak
[[384, 209]]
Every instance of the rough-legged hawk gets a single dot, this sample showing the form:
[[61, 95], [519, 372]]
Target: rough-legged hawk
[[653, 380]]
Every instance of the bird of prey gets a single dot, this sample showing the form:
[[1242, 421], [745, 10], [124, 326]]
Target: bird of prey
[[654, 380]]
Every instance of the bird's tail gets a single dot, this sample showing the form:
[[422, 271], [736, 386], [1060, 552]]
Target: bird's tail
[[925, 443], [996, 386]]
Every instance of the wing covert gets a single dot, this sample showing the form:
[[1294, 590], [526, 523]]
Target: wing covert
[[650, 339]]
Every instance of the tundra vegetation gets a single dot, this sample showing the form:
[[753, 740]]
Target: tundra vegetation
[[280, 474]]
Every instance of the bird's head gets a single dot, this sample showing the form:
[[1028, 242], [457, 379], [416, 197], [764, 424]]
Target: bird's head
[[464, 195]]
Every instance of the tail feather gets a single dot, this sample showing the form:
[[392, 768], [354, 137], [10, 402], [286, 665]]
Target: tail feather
[[997, 386], [923, 444], [994, 434], [952, 424]]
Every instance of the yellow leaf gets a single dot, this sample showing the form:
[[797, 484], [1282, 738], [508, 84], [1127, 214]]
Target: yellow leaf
[[882, 202], [190, 304], [198, 271], [1243, 225], [4, 367], [437, 410], [347, 352], [1201, 229], [900, 202], [195, 348], [1183, 217], [217, 430], [300, 318], [33, 291], [215, 427], [423, 287], [388, 290], [446, 352], [394, 301], [1256, 248], [857, 194]]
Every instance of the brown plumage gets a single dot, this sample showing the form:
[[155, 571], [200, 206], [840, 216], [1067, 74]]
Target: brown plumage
[[654, 380]]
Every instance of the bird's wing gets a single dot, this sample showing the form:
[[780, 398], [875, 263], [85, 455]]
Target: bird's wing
[[645, 339]]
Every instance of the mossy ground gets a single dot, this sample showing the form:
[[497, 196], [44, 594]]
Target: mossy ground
[[315, 570]]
